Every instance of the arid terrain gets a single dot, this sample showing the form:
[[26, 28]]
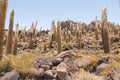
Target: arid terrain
[[69, 51]]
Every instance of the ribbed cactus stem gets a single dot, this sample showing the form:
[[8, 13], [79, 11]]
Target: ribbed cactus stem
[[45, 48], [79, 40], [105, 31], [96, 34], [24, 34], [16, 40], [96, 26], [106, 44], [59, 36], [10, 32], [53, 30], [3, 9], [69, 36]]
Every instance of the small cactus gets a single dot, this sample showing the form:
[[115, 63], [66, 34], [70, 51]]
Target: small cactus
[[69, 36], [59, 36], [3, 9], [15, 40], [45, 48], [10, 32]]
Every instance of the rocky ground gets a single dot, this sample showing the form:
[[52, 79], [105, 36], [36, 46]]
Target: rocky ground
[[42, 62], [69, 51]]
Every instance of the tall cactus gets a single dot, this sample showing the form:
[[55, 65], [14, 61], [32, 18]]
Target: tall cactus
[[105, 31], [15, 40], [10, 32], [3, 9], [79, 40], [59, 36], [52, 33]]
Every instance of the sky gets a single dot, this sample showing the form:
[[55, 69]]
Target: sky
[[44, 11]]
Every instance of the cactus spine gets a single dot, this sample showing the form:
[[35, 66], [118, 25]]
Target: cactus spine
[[10, 32], [16, 40], [3, 9], [59, 36], [105, 31]]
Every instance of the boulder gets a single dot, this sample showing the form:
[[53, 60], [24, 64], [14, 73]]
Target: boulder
[[45, 67], [13, 75], [50, 74], [43, 62], [62, 71], [56, 61], [36, 72], [82, 61], [66, 54], [101, 67]]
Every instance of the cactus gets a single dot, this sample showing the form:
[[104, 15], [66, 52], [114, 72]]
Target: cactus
[[59, 36], [97, 29], [53, 32], [79, 40], [45, 48], [51, 38], [15, 40], [105, 35], [105, 31], [96, 34], [116, 30], [3, 9], [23, 34], [69, 36], [30, 41], [10, 32]]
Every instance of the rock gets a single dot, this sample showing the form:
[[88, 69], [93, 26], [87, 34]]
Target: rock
[[116, 76], [101, 67], [36, 72], [116, 39], [43, 61], [62, 67], [62, 71], [66, 54], [82, 61], [49, 74], [71, 67], [22, 45], [45, 67], [77, 45], [66, 47], [56, 61], [13, 75], [104, 59]]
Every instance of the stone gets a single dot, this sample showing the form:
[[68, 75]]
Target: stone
[[45, 67], [66, 54], [36, 72], [43, 61], [56, 61], [13, 75], [49, 74], [101, 67], [116, 76], [71, 67], [66, 47], [82, 61], [105, 59], [62, 71]]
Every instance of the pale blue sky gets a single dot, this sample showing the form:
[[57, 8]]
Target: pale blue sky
[[27, 11]]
